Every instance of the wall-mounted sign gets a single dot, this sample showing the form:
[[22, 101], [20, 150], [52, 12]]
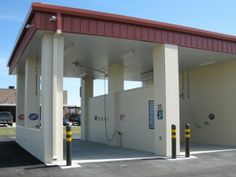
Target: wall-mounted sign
[[33, 116], [160, 112], [21, 116], [151, 114], [122, 117]]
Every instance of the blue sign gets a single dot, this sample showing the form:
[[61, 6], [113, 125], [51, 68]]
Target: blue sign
[[33, 116], [151, 114]]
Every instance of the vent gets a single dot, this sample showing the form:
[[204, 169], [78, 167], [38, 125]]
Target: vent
[[145, 76]]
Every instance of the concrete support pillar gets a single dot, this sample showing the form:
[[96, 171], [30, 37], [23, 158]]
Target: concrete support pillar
[[32, 91], [58, 68], [52, 96], [166, 97], [115, 78], [115, 85], [86, 93], [20, 98]]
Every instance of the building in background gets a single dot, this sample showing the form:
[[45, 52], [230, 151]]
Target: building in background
[[8, 101]]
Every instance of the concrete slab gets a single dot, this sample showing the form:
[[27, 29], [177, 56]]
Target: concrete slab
[[196, 148], [91, 152], [16, 162]]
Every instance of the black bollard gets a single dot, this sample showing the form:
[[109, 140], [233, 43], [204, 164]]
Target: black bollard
[[68, 145], [173, 138], [187, 140]]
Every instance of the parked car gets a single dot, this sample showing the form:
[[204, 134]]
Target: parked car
[[76, 120], [66, 122], [6, 118]]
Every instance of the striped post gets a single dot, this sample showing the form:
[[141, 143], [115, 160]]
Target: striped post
[[68, 145], [187, 140], [173, 138]]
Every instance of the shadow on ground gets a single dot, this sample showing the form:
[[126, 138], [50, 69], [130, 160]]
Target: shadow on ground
[[12, 155]]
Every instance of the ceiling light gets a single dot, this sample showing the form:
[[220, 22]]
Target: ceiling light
[[29, 26], [53, 18]]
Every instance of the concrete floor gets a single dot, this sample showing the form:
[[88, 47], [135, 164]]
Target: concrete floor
[[91, 152], [206, 148], [14, 161]]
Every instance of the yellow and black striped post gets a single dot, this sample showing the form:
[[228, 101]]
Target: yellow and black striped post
[[68, 145], [173, 138], [187, 140]]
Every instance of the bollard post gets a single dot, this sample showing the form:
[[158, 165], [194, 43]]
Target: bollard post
[[187, 140], [68, 145], [173, 138]]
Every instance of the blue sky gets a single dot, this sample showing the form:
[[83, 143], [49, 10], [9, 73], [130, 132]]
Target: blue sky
[[213, 15]]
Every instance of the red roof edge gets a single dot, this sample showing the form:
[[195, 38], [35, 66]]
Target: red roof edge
[[42, 7], [126, 19]]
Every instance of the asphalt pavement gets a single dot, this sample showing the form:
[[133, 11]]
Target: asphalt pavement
[[15, 161]]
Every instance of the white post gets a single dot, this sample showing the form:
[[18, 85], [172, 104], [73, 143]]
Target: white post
[[86, 93], [20, 99], [166, 97], [115, 78], [58, 65], [52, 96], [32, 91], [115, 85], [46, 94]]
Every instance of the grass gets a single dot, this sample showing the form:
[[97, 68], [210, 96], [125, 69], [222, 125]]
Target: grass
[[11, 131], [7, 131], [75, 129]]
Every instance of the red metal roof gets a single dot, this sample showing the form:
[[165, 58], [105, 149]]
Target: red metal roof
[[80, 21]]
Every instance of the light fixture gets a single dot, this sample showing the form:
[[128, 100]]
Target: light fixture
[[53, 18], [80, 65], [29, 26]]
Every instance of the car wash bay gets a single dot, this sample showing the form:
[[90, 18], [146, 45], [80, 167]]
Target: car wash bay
[[197, 81], [187, 77]]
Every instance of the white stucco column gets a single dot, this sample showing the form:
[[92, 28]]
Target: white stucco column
[[32, 91], [86, 93], [52, 96], [20, 98], [115, 78], [115, 85], [58, 68], [166, 96]]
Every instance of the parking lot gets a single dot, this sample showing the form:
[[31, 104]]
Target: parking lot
[[15, 161]]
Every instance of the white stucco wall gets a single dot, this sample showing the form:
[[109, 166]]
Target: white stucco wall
[[96, 128], [31, 139], [212, 90], [135, 126]]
